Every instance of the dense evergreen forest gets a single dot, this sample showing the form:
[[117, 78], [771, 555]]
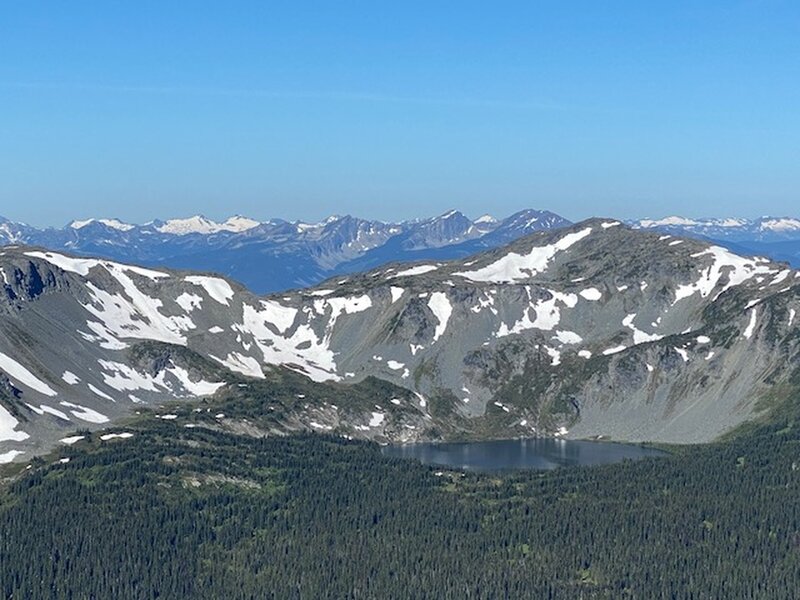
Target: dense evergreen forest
[[193, 512]]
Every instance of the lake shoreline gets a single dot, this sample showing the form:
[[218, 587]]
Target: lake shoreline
[[520, 453]]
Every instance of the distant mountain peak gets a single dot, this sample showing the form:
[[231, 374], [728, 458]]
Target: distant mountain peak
[[667, 221], [110, 223], [203, 225], [727, 229], [779, 224]]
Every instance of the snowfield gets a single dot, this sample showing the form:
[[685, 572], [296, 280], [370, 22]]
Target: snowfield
[[514, 267]]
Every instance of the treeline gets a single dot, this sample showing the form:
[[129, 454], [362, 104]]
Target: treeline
[[193, 513]]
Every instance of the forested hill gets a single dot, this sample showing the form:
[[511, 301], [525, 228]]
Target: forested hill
[[174, 508]]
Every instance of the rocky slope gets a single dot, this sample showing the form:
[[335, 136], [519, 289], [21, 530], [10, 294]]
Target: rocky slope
[[593, 330]]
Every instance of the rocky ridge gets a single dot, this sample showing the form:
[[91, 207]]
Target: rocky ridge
[[596, 330]]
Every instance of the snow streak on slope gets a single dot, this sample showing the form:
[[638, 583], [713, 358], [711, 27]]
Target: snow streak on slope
[[513, 266], [124, 378], [547, 313], [442, 309], [24, 376], [82, 266], [735, 269], [418, 270], [85, 414], [284, 339], [133, 315], [8, 427], [219, 289]]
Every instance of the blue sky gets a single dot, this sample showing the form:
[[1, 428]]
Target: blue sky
[[390, 110]]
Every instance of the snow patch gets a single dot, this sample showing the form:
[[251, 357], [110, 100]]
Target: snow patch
[[548, 314], [7, 457], [116, 436], [72, 439], [24, 376], [70, 378], [189, 302], [100, 393], [751, 326], [515, 266], [85, 414], [639, 336], [418, 270], [441, 309], [81, 266], [8, 426], [239, 363], [280, 316], [737, 268], [613, 350], [44, 409], [218, 289], [568, 337], [591, 294], [196, 388], [132, 315]]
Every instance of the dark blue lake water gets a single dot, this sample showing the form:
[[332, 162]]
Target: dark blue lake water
[[540, 454]]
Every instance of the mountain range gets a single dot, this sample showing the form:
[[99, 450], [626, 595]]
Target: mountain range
[[777, 238], [591, 330], [277, 255], [763, 229]]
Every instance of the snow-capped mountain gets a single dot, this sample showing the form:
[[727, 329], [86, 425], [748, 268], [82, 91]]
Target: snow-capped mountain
[[763, 229], [591, 330], [276, 254], [775, 237]]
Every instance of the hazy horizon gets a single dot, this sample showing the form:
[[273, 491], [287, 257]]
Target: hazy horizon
[[220, 217]]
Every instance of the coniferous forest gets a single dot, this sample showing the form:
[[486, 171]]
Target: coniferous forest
[[177, 512]]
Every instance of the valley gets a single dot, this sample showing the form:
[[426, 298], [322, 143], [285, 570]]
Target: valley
[[207, 512]]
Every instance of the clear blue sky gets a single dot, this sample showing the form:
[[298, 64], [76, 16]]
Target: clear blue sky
[[398, 109]]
